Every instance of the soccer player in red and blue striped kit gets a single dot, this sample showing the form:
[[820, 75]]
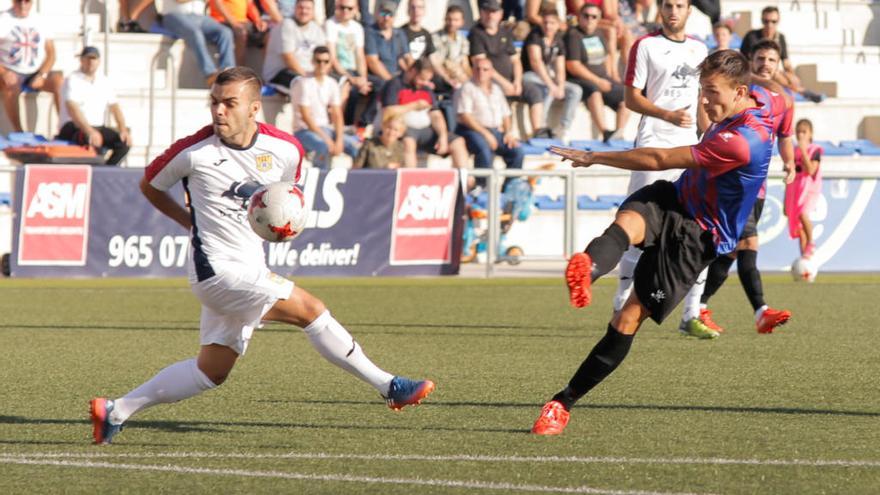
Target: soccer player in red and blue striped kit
[[681, 226]]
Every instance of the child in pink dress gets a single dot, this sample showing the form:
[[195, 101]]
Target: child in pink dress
[[802, 193]]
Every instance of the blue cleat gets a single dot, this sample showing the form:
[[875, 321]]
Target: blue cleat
[[405, 392], [103, 430]]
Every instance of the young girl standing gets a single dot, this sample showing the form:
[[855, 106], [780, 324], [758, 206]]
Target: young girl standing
[[802, 193]]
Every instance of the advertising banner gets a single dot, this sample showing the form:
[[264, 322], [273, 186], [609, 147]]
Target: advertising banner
[[349, 230]]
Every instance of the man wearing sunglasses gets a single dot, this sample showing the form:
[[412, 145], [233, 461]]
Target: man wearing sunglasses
[[27, 54], [770, 30]]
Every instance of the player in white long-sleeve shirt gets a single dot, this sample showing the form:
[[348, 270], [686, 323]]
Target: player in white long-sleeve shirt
[[220, 166], [662, 84]]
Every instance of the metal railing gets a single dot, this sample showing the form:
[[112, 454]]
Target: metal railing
[[171, 67], [86, 35]]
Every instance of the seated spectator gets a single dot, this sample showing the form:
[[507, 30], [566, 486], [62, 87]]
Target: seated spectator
[[451, 65], [489, 39], [128, 15], [186, 19], [421, 44], [484, 119], [248, 26], [770, 20], [387, 52], [589, 66], [290, 47], [345, 39], [26, 67], [410, 95], [543, 59], [86, 95], [386, 149], [317, 120], [722, 33]]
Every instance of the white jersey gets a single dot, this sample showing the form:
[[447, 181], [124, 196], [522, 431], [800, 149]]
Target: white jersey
[[219, 181], [666, 70]]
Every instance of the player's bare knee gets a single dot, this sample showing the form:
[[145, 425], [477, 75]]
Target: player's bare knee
[[633, 224]]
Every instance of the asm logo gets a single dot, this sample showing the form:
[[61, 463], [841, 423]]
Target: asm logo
[[424, 207], [58, 200]]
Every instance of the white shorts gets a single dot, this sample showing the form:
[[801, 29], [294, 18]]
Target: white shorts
[[234, 301], [639, 179]]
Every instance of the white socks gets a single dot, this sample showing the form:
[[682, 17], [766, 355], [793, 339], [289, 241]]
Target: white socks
[[625, 277], [333, 342], [179, 381], [692, 299], [760, 312]]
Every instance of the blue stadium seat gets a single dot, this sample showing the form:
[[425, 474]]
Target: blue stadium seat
[[614, 199], [544, 202], [26, 139], [5, 199], [592, 145], [831, 149], [586, 202], [862, 146], [268, 91], [539, 146]]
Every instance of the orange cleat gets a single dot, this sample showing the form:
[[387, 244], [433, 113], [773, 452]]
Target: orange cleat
[[706, 318], [772, 318], [103, 430], [552, 420], [577, 276], [406, 392]]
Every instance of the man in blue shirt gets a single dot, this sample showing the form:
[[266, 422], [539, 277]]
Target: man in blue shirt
[[387, 51]]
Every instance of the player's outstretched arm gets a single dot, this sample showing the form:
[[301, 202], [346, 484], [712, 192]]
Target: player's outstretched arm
[[166, 204], [637, 159]]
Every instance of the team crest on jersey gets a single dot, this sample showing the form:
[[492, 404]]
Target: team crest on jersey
[[264, 162], [725, 136]]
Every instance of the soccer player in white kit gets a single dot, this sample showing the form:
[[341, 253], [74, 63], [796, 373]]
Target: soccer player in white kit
[[220, 166], [662, 84]]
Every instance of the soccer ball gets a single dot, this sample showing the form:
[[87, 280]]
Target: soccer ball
[[277, 212], [803, 270]]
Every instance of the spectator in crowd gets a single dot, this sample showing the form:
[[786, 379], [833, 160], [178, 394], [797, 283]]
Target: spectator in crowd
[[589, 66], [770, 20], [27, 55], [248, 26], [317, 120], [489, 39], [345, 39], [85, 96], [129, 11], [410, 95], [722, 33], [186, 19], [484, 119], [290, 47], [451, 65], [385, 150], [387, 52], [420, 42], [387, 47], [543, 59]]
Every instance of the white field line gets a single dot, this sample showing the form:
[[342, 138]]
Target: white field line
[[484, 485], [453, 458]]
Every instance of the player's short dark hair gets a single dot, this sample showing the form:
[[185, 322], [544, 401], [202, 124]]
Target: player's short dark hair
[[769, 10], [244, 75], [319, 50], [660, 3], [453, 9], [728, 63], [766, 44]]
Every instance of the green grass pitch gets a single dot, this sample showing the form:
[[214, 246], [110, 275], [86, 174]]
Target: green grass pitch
[[790, 413]]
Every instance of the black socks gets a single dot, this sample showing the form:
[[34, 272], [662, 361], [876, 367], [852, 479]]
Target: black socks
[[602, 360], [606, 250], [719, 269], [750, 277]]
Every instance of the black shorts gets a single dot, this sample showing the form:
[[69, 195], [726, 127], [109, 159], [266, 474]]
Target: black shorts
[[751, 228], [282, 80], [612, 99], [675, 249], [531, 94]]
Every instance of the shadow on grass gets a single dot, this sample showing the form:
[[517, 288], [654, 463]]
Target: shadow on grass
[[222, 426], [625, 407]]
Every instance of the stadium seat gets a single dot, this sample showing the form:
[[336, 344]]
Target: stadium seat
[[831, 149], [586, 202], [614, 199], [544, 202], [268, 91], [861, 146], [5, 199], [26, 139], [592, 145]]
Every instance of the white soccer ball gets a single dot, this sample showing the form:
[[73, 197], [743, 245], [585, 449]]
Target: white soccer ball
[[803, 270], [277, 212]]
